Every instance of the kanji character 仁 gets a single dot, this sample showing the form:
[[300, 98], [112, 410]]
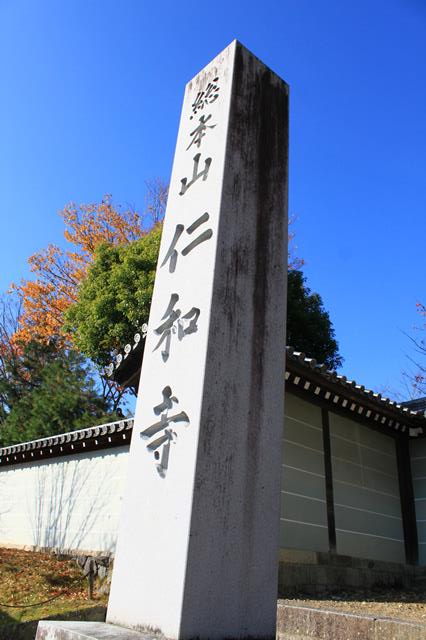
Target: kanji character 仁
[[172, 253]]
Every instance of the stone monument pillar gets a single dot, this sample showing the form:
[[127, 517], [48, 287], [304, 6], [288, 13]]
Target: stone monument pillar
[[197, 553]]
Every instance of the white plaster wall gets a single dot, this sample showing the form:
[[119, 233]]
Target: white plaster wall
[[418, 469], [72, 502]]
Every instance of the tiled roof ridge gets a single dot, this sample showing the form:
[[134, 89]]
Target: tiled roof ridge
[[303, 359], [333, 376], [117, 433], [98, 431], [124, 353], [416, 402]]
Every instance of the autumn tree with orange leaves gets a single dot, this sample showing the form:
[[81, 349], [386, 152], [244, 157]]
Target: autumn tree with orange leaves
[[44, 389], [58, 272]]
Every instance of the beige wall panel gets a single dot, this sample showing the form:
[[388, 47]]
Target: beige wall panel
[[418, 467], [301, 457], [303, 509], [419, 486], [302, 536], [302, 410], [418, 447], [375, 459], [303, 500], [382, 482], [348, 429], [370, 547], [366, 492], [344, 471], [306, 483], [364, 498], [369, 522], [377, 441], [421, 530], [346, 449], [420, 511], [418, 470], [300, 432]]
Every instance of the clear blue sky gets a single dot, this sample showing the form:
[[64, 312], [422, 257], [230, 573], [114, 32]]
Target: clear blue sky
[[90, 99]]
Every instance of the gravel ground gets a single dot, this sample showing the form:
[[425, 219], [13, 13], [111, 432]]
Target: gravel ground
[[406, 605]]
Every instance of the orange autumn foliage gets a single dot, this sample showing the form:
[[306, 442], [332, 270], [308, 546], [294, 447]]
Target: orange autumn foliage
[[58, 272]]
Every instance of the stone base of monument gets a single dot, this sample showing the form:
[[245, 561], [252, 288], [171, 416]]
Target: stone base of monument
[[58, 630], [293, 623]]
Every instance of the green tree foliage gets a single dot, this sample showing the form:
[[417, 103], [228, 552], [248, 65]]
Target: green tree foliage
[[47, 391], [46, 385], [114, 301], [309, 328], [115, 297]]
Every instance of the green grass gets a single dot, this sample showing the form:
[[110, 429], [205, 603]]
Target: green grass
[[28, 579]]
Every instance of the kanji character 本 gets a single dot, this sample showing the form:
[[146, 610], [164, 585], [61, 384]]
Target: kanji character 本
[[160, 446], [209, 95], [172, 253], [195, 173], [175, 322], [200, 131]]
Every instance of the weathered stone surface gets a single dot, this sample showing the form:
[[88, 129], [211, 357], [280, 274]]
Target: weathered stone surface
[[102, 572], [298, 556], [387, 629], [199, 528], [57, 630], [294, 623], [322, 624], [95, 564], [306, 623], [316, 573]]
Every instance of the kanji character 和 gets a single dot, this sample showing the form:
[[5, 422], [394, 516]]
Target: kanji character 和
[[175, 322]]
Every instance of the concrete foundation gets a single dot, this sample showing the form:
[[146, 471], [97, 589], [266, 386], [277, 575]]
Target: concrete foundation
[[293, 623], [314, 573], [305, 623]]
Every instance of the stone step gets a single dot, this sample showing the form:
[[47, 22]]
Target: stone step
[[307, 623], [293, 623], [58, 630]]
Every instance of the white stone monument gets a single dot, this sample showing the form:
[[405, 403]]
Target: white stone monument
[[197, 553]]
